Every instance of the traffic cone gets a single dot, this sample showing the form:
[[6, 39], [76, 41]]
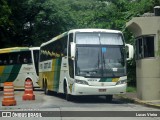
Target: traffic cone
[[8, 93], [28, 93]]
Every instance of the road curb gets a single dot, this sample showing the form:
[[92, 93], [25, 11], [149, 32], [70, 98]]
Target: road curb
[[137, 101]]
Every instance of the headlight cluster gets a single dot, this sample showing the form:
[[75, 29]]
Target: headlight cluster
[[121, 82], [81, 82]]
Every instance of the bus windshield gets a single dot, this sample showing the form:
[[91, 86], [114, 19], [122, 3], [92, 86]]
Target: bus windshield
[[100, 60], [99, 38]]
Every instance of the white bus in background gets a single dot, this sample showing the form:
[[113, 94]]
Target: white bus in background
[[84, 62], [18, 64]]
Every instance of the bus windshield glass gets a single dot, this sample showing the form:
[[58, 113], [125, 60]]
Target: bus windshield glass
[[99, 38], [99, 55]]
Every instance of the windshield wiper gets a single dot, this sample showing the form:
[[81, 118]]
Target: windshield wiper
[[101, 69], [98, 60]]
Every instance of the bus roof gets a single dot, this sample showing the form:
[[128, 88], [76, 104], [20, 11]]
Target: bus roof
[[55, 38], [34, 48], [16, 49], [80, 30], [94, 30]]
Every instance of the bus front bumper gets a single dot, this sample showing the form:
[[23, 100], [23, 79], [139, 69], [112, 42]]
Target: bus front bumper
[[80, 89]]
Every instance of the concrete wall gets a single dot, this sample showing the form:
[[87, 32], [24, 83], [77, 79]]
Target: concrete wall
[[148, 79], [144, 25], [147, 69]]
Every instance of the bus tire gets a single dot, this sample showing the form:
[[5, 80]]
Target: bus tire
[[109, 98], [67, 96], [1, 88], [43, 85], [33, 86], [46, 91]]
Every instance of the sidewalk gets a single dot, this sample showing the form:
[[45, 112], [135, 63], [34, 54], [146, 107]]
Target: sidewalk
[[133, 97]]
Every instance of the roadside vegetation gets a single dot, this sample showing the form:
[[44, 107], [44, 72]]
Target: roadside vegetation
[[31, 22], [131, 89]]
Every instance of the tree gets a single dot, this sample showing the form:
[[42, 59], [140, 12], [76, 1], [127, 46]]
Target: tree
[[50, 21], [31, 22], [4, 22]]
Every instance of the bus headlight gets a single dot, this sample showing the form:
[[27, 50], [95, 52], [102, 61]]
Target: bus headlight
[[81, 82], [121, 82]]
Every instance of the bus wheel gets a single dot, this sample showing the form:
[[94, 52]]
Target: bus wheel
[[67, 96], [109, 98], [46, 91], [1, 88], [33, 86]]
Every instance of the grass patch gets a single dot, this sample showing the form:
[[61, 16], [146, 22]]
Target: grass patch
[[131, 89]]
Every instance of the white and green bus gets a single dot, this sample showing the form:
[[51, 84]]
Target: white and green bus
[[18, 64], [84, 62]]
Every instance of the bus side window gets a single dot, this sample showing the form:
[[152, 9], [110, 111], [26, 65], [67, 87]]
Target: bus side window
[[0, 62], [12, 58], [30, 60], [5, 61], [25, 60], [11, 61], [21, 59], [1, 59], [70, 61], [64, 45]]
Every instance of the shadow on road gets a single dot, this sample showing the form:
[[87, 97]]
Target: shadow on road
[[92, 99]]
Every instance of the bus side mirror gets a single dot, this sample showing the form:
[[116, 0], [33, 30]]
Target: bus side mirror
[[73, 50], [129, 51]]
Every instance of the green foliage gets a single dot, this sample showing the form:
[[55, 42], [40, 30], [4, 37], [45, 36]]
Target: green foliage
[[31, 22], [131, 73], [50, 21], [4, 21], [131, 89], [5, 12]]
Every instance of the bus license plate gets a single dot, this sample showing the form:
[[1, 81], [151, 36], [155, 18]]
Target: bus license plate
[[102, 90]]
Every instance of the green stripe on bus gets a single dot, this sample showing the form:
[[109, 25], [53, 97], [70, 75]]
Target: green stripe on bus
[[6, 73], [105, 80], [57, 73], [15, 72]]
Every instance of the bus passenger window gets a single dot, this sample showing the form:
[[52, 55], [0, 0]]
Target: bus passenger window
[[5, 61], [0, 62], [11, 61], [25, 60]]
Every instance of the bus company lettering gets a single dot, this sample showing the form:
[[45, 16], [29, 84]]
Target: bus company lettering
[[47, 65], [41, 66], [27, 68]]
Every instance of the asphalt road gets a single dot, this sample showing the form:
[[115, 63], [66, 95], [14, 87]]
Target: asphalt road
[[86, 108]]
